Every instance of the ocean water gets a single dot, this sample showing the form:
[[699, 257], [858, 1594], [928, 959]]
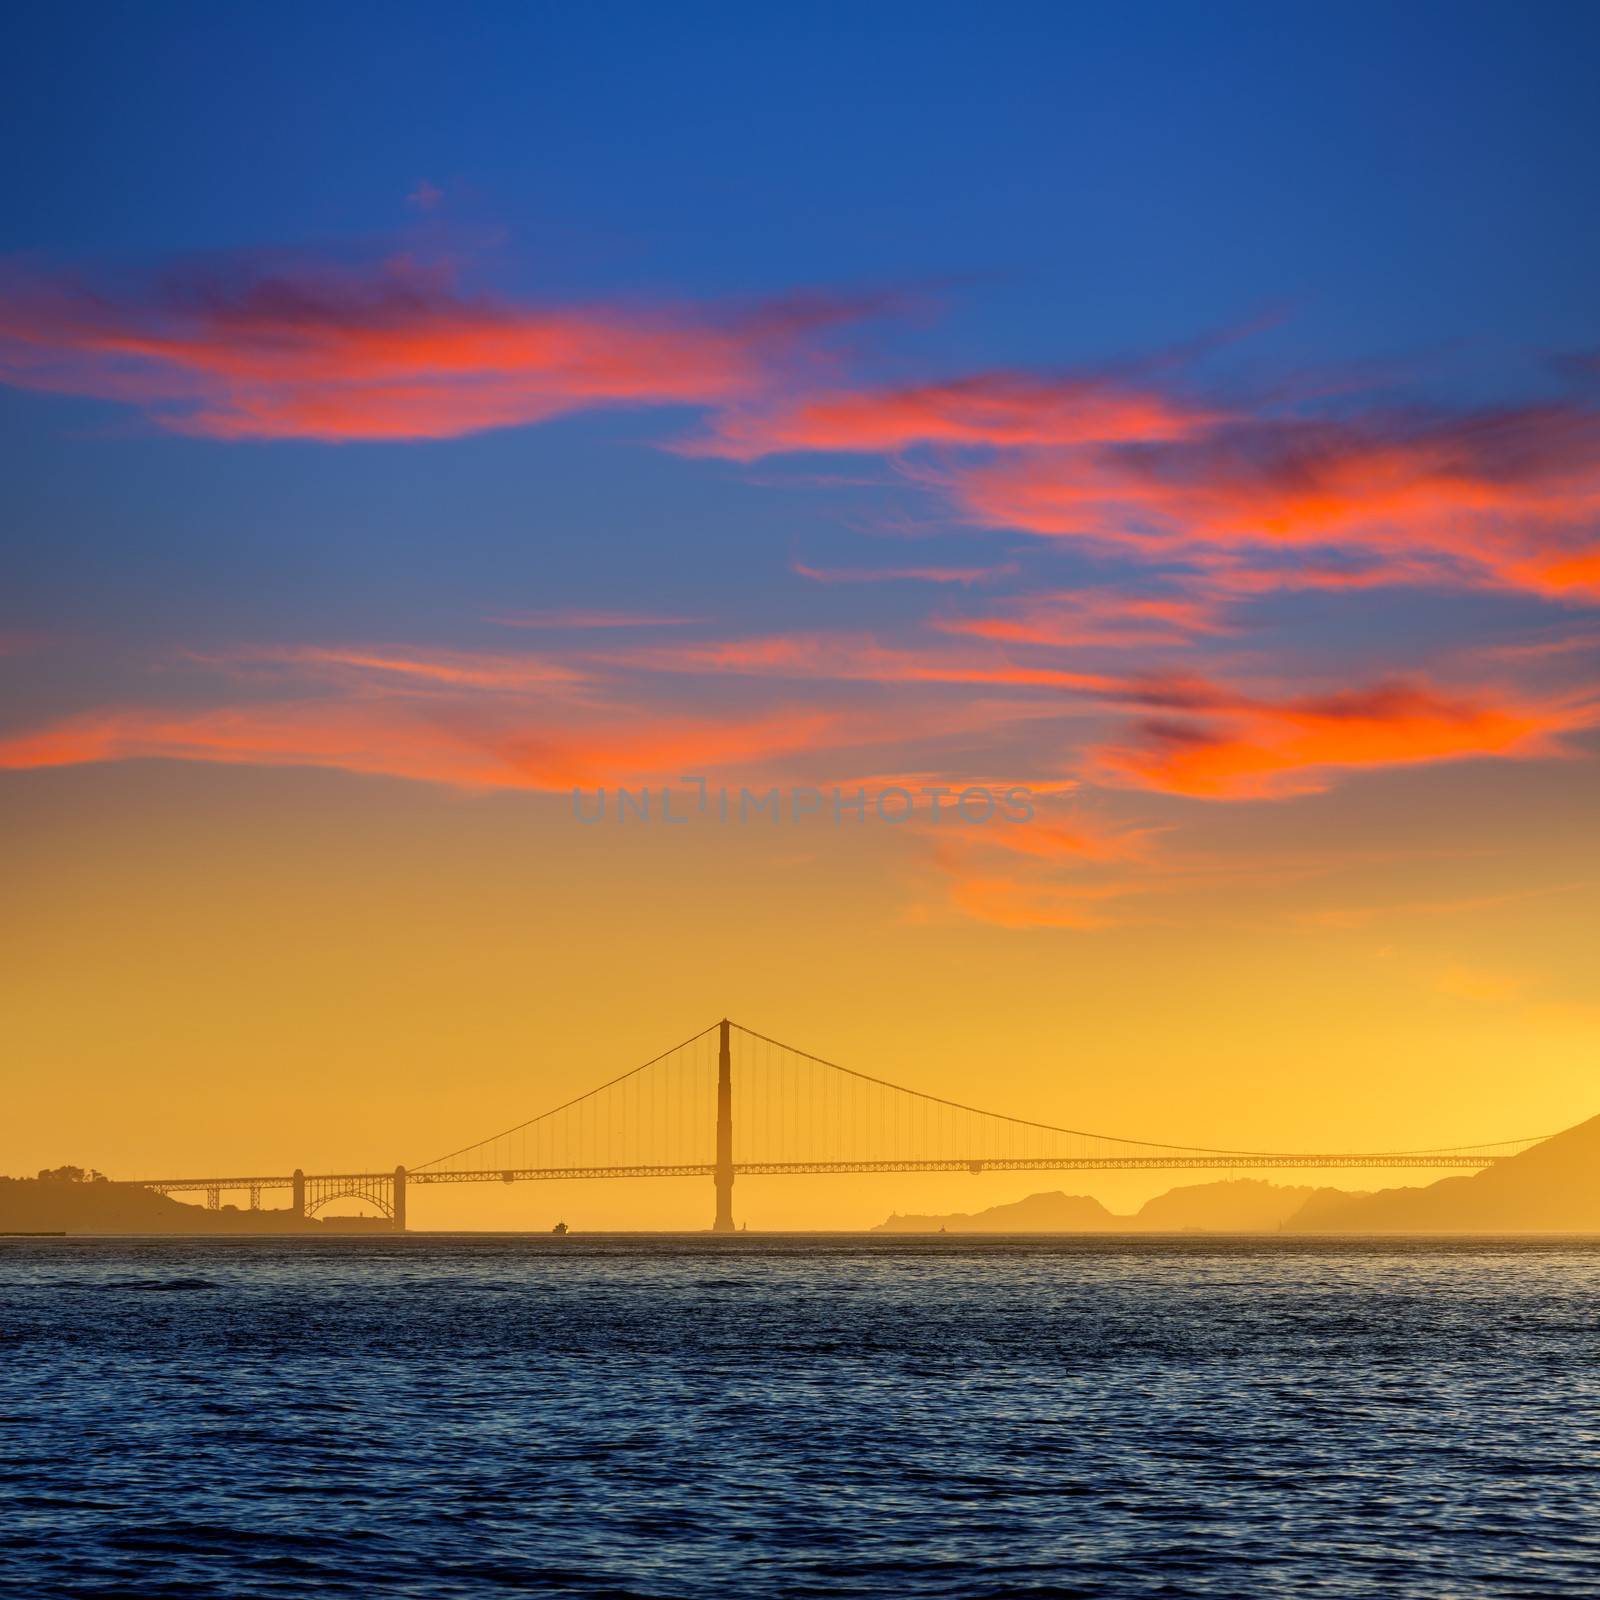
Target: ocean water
[[441, 1416]]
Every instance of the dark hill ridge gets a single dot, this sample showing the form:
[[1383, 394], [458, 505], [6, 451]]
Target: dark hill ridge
[[1039, 1213], [1231, 1205], [57, 1205], [1237, 1205], [1552, 1187]]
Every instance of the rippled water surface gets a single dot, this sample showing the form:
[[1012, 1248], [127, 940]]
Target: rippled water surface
[[446, 1416]]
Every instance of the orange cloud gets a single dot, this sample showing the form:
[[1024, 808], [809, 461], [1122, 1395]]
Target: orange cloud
[[530, 720], [1498, 498], [1253, 749], [450, 670], [1018, 903], [1541, 649], [1071, 842], [1578, 573], [1198, 737], [1005, 409], [848, 658], [393, 352], [469, 719], [487, 719], [1505, 499], [1095, 617], [390, 740], [1046, 873]]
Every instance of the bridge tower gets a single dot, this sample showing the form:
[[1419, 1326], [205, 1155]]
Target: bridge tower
[[398, 1200], [723, 1175], [299, 1206]]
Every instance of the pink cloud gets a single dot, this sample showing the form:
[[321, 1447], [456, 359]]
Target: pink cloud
[[390, 739], [395, 351], [965, 576], [1207, 745], [1507, 499], [1004, 409], [1020, 903], [1103, 617]]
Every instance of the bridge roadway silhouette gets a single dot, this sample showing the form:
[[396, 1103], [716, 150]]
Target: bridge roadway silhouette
[[810, 1116]]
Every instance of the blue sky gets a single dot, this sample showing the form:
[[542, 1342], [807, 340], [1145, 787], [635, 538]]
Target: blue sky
[[1367, 223], [409, 413]]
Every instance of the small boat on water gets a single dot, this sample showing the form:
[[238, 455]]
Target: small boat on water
[[560, 1227]]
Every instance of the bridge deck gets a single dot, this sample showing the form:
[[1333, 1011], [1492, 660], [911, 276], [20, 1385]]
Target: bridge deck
[[680, 1103], [1349, 1161]]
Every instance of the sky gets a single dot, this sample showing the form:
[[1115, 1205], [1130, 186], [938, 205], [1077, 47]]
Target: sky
[[409, 415]]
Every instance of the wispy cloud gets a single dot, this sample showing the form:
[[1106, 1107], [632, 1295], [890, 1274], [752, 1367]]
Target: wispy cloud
[[1114, 618], [1311, 484], [480, 719], [1160, 521], [1217, 747], [469, 749], [996, 409], [1129, 464], [1495, 499], [1361, 916], [1018, 903], [396, 350], [583, 621], [446, 669], [965, 576]]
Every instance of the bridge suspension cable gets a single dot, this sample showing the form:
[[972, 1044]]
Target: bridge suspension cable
[[601, 1124], [520, 1130], [729, 1101], [795, 1111], [1106, 1138]]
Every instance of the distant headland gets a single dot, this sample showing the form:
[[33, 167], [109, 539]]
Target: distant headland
[[1551, 1187], [80, 1200]]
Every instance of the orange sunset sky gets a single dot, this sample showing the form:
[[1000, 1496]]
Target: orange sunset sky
[[360, 508]]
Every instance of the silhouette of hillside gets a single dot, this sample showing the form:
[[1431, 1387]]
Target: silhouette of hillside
[[1039, 1213], [1553, 1187], [1235, 1205], [70, 1200], [1232, 1205]]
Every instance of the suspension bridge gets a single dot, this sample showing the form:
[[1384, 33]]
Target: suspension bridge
[[677, 1116]]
